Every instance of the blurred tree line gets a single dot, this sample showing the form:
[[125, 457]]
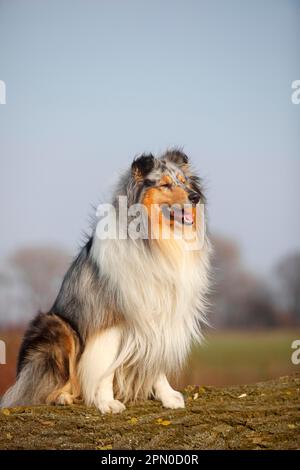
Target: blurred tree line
[[242, 299], [30, 280]]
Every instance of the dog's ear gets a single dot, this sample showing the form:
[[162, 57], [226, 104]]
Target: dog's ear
[[141, 166], [177, 157]]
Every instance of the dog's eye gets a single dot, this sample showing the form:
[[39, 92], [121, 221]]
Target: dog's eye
[[149, 183], [167, 185]]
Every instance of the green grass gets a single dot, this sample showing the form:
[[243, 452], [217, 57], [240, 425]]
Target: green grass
[[238, 357]]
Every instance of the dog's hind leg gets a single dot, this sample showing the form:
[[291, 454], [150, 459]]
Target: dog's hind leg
[[47, 361], [69, 392], [95, 373]]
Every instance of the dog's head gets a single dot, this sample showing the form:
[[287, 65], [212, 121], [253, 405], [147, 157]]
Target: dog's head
[[168, 185]]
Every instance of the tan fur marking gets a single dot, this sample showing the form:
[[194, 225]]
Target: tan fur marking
[[181, 178], [166, 179]]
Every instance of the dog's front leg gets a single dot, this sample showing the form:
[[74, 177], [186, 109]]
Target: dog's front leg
[[95, 374], [169, 397]]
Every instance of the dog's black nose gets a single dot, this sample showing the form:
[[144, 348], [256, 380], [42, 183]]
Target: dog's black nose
[[194, 197]]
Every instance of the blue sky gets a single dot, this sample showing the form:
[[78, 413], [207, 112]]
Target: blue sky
[[90, 84]]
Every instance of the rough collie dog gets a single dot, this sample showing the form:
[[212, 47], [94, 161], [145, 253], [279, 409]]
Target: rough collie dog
[[129, 307]]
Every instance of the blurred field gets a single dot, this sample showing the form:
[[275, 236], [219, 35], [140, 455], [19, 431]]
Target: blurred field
[[227, 358], [239, 357]]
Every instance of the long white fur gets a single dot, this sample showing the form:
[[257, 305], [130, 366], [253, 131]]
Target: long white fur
[[161, 293]]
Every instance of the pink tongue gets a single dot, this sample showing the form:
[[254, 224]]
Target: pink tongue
[[189, 217]]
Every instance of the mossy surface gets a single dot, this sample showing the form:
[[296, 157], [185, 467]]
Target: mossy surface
[[261, 416]]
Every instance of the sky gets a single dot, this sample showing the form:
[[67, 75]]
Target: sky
[[91, 84]]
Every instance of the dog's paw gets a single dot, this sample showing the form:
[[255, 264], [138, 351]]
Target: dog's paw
[[64, 398], [173, 400], [60, 398], [110, 406]]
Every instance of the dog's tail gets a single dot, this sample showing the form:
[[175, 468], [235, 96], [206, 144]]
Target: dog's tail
[[47, 365], [29, 388]]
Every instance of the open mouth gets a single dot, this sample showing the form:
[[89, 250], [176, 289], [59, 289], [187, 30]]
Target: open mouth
[[178, 214]]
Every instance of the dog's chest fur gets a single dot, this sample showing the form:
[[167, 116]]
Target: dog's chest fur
[[160, 293]]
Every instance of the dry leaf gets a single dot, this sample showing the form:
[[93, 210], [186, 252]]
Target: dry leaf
[[133, 420], [108, 447], [163, 422]]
